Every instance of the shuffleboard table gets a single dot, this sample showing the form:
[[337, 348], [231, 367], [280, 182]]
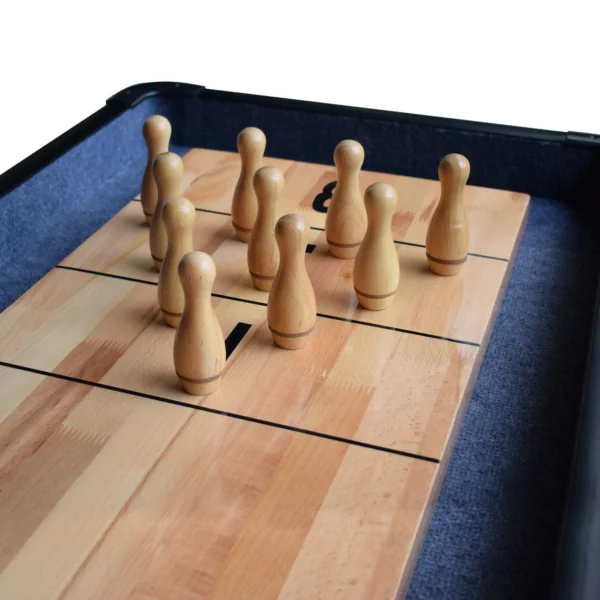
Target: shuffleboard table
[[424, 451]]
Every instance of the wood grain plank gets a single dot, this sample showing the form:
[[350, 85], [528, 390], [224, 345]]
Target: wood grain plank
[[494, 215], [91, 463], [455, 307], [306, 474], [127, 498], [404, 396]]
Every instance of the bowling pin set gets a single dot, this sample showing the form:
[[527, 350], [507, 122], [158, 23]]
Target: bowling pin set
[[356, 227]]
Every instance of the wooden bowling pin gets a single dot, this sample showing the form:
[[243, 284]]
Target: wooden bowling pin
[[178, 216], [447, 241], [199, 348], [292, 309], [346, 220], [251, 143], [167, 170], [376, 267], [157, 133], [263, 253]]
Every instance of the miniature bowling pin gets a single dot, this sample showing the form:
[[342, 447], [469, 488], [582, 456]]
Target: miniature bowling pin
[[167, 170], [376, 267], [263, 253], [157, 133], [292, 309], [251, 143], [447, 240], [178, 216], [199, 348], [346, 220]]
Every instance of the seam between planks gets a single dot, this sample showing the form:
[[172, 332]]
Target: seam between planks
[[400, 242], [257, 303], [223, 413]]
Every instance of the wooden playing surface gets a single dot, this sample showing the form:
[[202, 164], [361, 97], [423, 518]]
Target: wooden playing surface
[[308, 474]]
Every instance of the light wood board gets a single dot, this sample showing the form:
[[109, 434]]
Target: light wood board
[[308, 474]]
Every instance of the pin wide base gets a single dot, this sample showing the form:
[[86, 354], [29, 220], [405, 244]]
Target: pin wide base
[[147, 215], [200, 389], [291, 341], [343, 251], [375, 303], [172, 319], [264, 285], [444, 270], [445, 267], [243, 236], [242, 233]]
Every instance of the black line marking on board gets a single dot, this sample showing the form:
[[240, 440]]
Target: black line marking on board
[[213, 212], [400, 330], [310, 248], [324, 316], [226, 214], [488, 257], [409, 244], [223, 413], [112, 275], [235, 337], [468, 254]]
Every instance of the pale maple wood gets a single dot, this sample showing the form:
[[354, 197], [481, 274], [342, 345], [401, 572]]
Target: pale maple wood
[[456, 307], [447, 242], [376, 268], [251, 143], [346, 221], [157, 133], [178, 215], [291, 310], [199, 348], [167, 170], [120, 496], [402, 395], [494, 215], [263, 253]]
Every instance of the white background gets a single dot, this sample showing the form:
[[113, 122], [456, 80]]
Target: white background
[[528, 63]]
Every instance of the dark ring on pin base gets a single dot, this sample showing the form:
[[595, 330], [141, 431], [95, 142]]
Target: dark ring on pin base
[[257, 276], [244, 229], [205, 380], [148, 214], [458, 261], [156, 258], [290, 335], [343, 245], [171, 314], [375, 296]]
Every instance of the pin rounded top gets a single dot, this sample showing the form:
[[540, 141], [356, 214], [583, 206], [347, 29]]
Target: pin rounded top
[[349, 154], [178, 213], [156, 128], [268, 182], [251, 140], [196, 270], [454, 169], [291, 231], [381, 198], [167, 164]]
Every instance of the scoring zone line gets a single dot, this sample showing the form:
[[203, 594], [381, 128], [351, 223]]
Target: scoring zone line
[[226, 214], [258, 303], [223, 413]]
